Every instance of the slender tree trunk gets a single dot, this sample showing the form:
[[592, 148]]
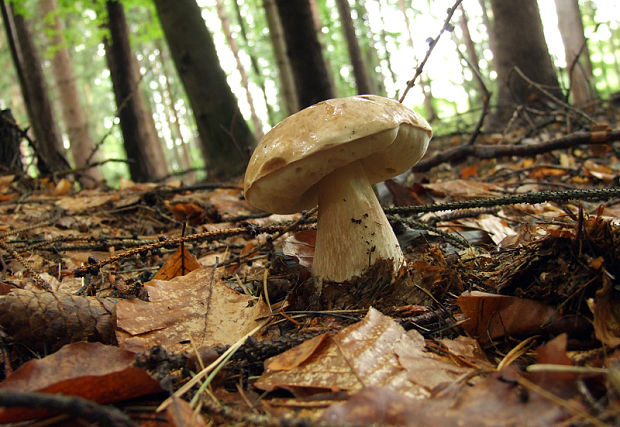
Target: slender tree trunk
[[48, 144], [489, 27], [143, 147], [72, 109], [355, 53], [384, 44], [521, 43], [288, 92], [578, 63], [183, 147], [255, 67], [304, 52], [10, 139], [474, 60], [258, 127], [372, 56], [225, 136]]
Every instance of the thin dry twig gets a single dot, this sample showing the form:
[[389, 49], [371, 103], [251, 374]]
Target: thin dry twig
[[446, 27]]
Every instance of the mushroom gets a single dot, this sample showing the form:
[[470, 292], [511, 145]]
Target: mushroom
[[331, 153]]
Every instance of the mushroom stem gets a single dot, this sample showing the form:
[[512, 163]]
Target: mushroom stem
[[353, 231]]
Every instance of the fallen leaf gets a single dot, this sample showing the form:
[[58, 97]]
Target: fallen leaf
[[374, 352], [179, 264], [491, 316], [301, 246], [187, 212], [196, 307], [94, 371], [603, 307]]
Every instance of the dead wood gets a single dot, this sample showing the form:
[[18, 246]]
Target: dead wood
[[462, 152]]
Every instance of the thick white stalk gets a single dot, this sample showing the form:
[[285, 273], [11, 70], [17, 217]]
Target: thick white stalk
[[353, 231]]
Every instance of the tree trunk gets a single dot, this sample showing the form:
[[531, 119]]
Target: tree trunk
[[255, 68], [383, 40], [355, 53], [225, 136], [258, 126], [368, 46], [72, 110], [472, 54], [578, 64], [10, 139], [48, 144], [304, 52], [521, 43], [143, 147], [183, 145], [288, 92]]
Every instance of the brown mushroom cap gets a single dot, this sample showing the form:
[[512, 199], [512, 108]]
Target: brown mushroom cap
[[384, 135]]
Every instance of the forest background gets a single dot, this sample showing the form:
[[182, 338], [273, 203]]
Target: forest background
[[393, 37]]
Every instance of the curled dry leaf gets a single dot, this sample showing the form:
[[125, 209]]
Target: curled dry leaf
[[301, 246], [179, 264], [94, 371], [374, 352]]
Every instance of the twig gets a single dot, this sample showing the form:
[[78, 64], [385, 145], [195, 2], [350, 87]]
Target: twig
[[486, 98], [76, 406], [198, 237], [432, 44], [455, 240], [464, 151], [552, 97], [531, 198]]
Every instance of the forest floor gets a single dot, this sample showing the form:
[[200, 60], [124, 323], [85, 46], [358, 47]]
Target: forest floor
[[506, 313]]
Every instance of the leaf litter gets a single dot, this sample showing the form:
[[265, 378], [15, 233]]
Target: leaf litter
[[521, 326]]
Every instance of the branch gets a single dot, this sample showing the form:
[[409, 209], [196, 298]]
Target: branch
[[446, 26], [464, 151]]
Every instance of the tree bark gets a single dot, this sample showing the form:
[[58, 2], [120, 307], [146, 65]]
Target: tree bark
[[288, 92], [258, 130], [225, 136], [72, 110], [355, 53], [143, 147], [520, 42], [304, 52], [578, 64], [10, 139], [48, 144]]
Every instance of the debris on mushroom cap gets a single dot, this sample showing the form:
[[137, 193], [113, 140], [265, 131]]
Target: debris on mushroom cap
[[381, 133]]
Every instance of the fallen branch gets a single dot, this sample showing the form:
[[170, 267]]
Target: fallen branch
[[464, 151]]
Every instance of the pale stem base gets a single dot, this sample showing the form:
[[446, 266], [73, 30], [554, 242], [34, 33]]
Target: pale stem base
[[353, 232]]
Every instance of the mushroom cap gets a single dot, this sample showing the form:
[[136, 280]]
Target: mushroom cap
[[381, 133]]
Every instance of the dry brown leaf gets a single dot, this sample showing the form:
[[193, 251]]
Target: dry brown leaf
[[187, 212], [94, 371], [605, 308], [295, 356], [374, 352], [491, 316], [301, 246], [179, 264], [196, 307], [181, 414], [495, 401]]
